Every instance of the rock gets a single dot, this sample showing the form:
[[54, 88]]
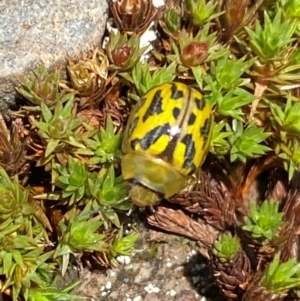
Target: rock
[[32, 31], [164, 268]]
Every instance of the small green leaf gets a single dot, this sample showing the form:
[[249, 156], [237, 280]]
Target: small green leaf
[[280, 277], [51, 146], [227, 247], [247, 143], [144, 80], [47, 114], [264, 222], [124, 245], [270, 42]]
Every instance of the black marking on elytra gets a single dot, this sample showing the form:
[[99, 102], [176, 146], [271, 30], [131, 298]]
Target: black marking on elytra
[[151, 137], [155, 106], [167, 154], [192, 119], [176, 112], [132, 126], [200, 102], [190, 152], [204, 131], [175, 93]]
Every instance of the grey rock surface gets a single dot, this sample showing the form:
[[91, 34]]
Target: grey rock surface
[[172, 274], [32, 31], [166, 268]]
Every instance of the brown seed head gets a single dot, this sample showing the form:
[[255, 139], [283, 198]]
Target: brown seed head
[[90, 73], [194, 54], [133, 15], [121, 55]]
